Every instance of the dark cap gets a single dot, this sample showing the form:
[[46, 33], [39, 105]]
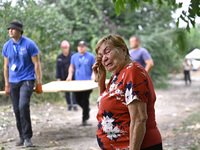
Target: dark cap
[[16, 25], [82, 43]]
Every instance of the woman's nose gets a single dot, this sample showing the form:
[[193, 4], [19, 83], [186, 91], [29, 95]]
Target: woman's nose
[[104, 58]]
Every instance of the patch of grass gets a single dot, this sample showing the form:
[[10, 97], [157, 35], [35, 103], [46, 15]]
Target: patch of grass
[[194, 147], [191, 125], [5, 100], [161, 85], [2, 148], [47, 97], [94, 96], [192, 119]]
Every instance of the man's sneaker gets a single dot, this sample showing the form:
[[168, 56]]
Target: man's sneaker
[[20, 142], [28, 143], [75, 108], [69, 108], [84, 123]]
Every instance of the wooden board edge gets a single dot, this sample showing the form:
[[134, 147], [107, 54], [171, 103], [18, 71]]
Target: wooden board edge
[[2, 93]]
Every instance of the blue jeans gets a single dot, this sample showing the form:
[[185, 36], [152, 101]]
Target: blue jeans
[[20, 94]]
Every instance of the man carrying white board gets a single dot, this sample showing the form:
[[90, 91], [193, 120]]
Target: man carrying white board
[[21, 70], [81, 64]]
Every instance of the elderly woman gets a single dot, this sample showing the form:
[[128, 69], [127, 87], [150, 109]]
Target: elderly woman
[[126, 114]]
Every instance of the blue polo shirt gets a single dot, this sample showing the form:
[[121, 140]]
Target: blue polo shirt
[[19, 55], [83, 65]]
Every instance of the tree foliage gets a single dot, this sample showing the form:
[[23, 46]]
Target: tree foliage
[[184, 42], [187, 16]]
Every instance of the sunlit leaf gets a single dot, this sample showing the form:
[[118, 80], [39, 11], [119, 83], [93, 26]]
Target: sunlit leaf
[[181, 16], [192, 22], [121, 4], [188, 27], [113, 1], [177, 23], [180, 4], [117, 8]]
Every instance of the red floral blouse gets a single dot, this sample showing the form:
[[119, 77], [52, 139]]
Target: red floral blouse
[[131, 83]]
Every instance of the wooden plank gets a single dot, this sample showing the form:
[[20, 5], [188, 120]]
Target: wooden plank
[[67, 86], [2, 93]]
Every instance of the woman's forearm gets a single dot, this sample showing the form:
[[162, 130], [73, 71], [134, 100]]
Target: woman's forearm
[[102, 86], [137, 135]]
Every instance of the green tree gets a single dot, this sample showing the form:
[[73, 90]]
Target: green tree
[[85, 19], [193, 9], [184, 42]]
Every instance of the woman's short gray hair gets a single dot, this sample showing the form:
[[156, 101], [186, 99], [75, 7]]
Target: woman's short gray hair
[[114, 40]]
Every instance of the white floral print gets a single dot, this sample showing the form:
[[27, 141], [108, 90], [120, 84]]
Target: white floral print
[[107, 125]]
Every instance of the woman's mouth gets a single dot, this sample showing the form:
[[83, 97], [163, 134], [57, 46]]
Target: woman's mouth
[[108, 64]]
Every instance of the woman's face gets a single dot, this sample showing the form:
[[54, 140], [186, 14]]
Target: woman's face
[[113, 59]]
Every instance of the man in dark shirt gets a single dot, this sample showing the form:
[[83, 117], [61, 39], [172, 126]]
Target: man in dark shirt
[[63, 63]]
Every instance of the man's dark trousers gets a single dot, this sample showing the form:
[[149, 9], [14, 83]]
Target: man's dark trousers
[[82, 98], [20, 95]]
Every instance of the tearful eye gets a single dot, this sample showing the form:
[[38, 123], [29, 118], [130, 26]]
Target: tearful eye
[[107, 51]]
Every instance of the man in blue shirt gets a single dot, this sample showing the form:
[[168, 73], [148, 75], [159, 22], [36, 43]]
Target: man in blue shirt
[[81, 65], [140, 54], [21, 69]]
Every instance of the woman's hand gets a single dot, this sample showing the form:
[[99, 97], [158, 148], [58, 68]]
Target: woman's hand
[[100, 74], [99, 70]]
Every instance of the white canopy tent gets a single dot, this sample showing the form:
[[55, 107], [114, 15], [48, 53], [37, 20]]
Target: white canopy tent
[[193, 56]]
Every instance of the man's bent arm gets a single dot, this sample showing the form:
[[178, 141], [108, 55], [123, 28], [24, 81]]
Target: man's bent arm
[[71, 72], [38, 71], [6, 71], [149, 65]]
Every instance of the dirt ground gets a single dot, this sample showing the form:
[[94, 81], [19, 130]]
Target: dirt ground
[[55, 128]]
